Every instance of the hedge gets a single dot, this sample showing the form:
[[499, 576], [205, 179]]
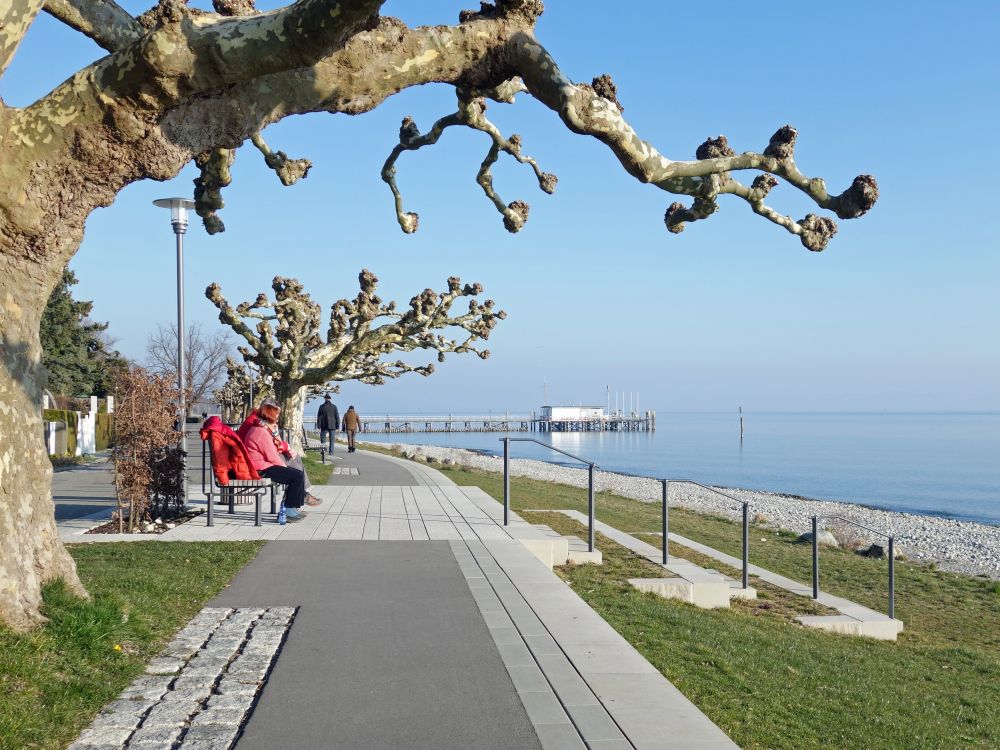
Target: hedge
[[105, 428]]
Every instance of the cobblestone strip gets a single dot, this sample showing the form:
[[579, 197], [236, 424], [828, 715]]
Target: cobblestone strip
[[197, 693]]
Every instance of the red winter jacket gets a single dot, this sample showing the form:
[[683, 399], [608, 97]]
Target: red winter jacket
[[230, 459]]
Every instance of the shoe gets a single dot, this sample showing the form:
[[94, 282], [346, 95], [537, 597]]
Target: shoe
[[313, 500], [292, 519], [294, 514]]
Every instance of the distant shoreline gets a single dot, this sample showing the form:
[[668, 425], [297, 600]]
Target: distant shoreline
[[955, 545]]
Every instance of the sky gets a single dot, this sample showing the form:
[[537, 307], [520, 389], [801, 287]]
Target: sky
[[900, 313]]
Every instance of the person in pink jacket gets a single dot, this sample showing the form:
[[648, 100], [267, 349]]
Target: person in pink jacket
[[267, 459]]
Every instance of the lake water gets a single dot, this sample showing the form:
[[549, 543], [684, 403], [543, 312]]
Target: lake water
[[939, 464]]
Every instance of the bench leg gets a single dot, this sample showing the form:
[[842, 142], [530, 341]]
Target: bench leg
[[232, 502], [211, 510], [322, 455], [256, 513], [273, 508]]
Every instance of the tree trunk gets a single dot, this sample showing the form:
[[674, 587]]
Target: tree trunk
[[293, 404], [31, 553]]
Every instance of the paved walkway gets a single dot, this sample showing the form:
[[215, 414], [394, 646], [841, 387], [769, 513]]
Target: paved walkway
[[422, 622]]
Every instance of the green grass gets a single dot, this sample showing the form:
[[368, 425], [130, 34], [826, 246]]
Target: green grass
[[770, 683], [55, 679], [318, 472]]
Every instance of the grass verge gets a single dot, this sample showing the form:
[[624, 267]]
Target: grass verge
[[768, 682], [55, 679], [318, 472]]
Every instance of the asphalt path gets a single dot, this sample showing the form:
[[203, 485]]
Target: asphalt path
[[387, 650]]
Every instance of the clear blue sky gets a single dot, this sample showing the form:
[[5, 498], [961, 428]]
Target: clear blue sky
[[900, 313]]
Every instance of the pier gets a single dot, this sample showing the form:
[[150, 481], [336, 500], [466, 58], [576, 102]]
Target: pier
[[388, 423]]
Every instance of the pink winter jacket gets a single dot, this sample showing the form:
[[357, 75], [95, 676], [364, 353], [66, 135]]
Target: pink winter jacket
[[259, 444]]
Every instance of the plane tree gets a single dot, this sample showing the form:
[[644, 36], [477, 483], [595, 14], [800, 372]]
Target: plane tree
[[180, 84], [288, 343]]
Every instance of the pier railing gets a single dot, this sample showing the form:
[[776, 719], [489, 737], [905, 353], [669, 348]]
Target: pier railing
[[590, 482], [883, 534]]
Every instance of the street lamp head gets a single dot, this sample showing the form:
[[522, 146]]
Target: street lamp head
[[178, 211]]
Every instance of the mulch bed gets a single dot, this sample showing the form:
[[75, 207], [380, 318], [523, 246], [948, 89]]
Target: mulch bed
[[111, 527]]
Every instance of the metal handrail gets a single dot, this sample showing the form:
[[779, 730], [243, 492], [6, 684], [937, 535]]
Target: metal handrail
[[590, 482], [891, 555], [740, 505]]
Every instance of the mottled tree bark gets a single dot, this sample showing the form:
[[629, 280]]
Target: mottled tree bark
[[180, 83], [31, 553]]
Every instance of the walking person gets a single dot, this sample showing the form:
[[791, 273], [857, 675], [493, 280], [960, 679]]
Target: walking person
[[268, 461], [351, 425], [327, 422]]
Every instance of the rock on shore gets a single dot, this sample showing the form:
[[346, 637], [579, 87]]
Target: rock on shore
[[958, 546]]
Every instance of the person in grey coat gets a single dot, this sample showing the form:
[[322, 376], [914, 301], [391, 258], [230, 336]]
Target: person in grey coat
[[327, 421]]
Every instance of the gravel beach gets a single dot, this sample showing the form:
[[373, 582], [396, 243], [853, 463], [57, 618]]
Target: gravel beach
[[958, 546]]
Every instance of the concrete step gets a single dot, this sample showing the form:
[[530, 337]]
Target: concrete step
[[882, 629], [704, 594], [579, 554], [736, 591]]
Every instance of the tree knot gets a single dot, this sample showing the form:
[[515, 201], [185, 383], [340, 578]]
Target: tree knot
[[782, 143], [714, 148], [858, 199], [605, 88], [817, 231]]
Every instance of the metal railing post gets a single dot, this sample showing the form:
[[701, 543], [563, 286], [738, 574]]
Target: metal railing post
[[506, 481], [746, 544], [892, 580], [815, 541], [666, 523], [590, 508]]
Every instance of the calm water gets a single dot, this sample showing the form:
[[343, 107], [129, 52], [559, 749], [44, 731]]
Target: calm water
[[940, 464]]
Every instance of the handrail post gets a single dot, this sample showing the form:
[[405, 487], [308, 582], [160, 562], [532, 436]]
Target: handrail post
[[815, 541], [590, 509], [506, 481], [892, 580], [666, 524], [746, 545]]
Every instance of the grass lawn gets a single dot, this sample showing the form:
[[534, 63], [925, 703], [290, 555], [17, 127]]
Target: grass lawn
[[770, 683], [53, 680], [318, 472]]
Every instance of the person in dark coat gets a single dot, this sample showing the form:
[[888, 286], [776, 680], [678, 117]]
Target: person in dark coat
[[327, 421]]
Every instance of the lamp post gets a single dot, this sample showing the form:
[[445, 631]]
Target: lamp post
[[179, 221]]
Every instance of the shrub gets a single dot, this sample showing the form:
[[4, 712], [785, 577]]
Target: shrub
[[144, 436], [104, 426]]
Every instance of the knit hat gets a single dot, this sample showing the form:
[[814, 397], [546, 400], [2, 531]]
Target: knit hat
[[270, 402]]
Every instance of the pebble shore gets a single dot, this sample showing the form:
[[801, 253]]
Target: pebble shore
[[957, 546]]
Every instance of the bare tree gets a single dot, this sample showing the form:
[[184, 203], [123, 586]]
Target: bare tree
[[206, 358], [236, 396], [288, 342], [180, 84]]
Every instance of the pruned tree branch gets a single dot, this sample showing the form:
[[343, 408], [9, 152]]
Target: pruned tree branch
[[471, 113], [104, 21], [289, 346], [15, 18]]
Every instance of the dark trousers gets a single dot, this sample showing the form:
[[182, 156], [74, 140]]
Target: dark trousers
[[294, 481], [350, 439]]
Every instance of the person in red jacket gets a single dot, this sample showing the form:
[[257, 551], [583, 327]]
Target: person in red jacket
[[230, 459], [267, 459]]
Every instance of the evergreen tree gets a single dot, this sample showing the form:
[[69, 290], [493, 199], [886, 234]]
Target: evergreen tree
[[74, 348]]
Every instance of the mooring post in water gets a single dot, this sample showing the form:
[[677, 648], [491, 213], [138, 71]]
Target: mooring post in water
[[506, 481], [665, 523]]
